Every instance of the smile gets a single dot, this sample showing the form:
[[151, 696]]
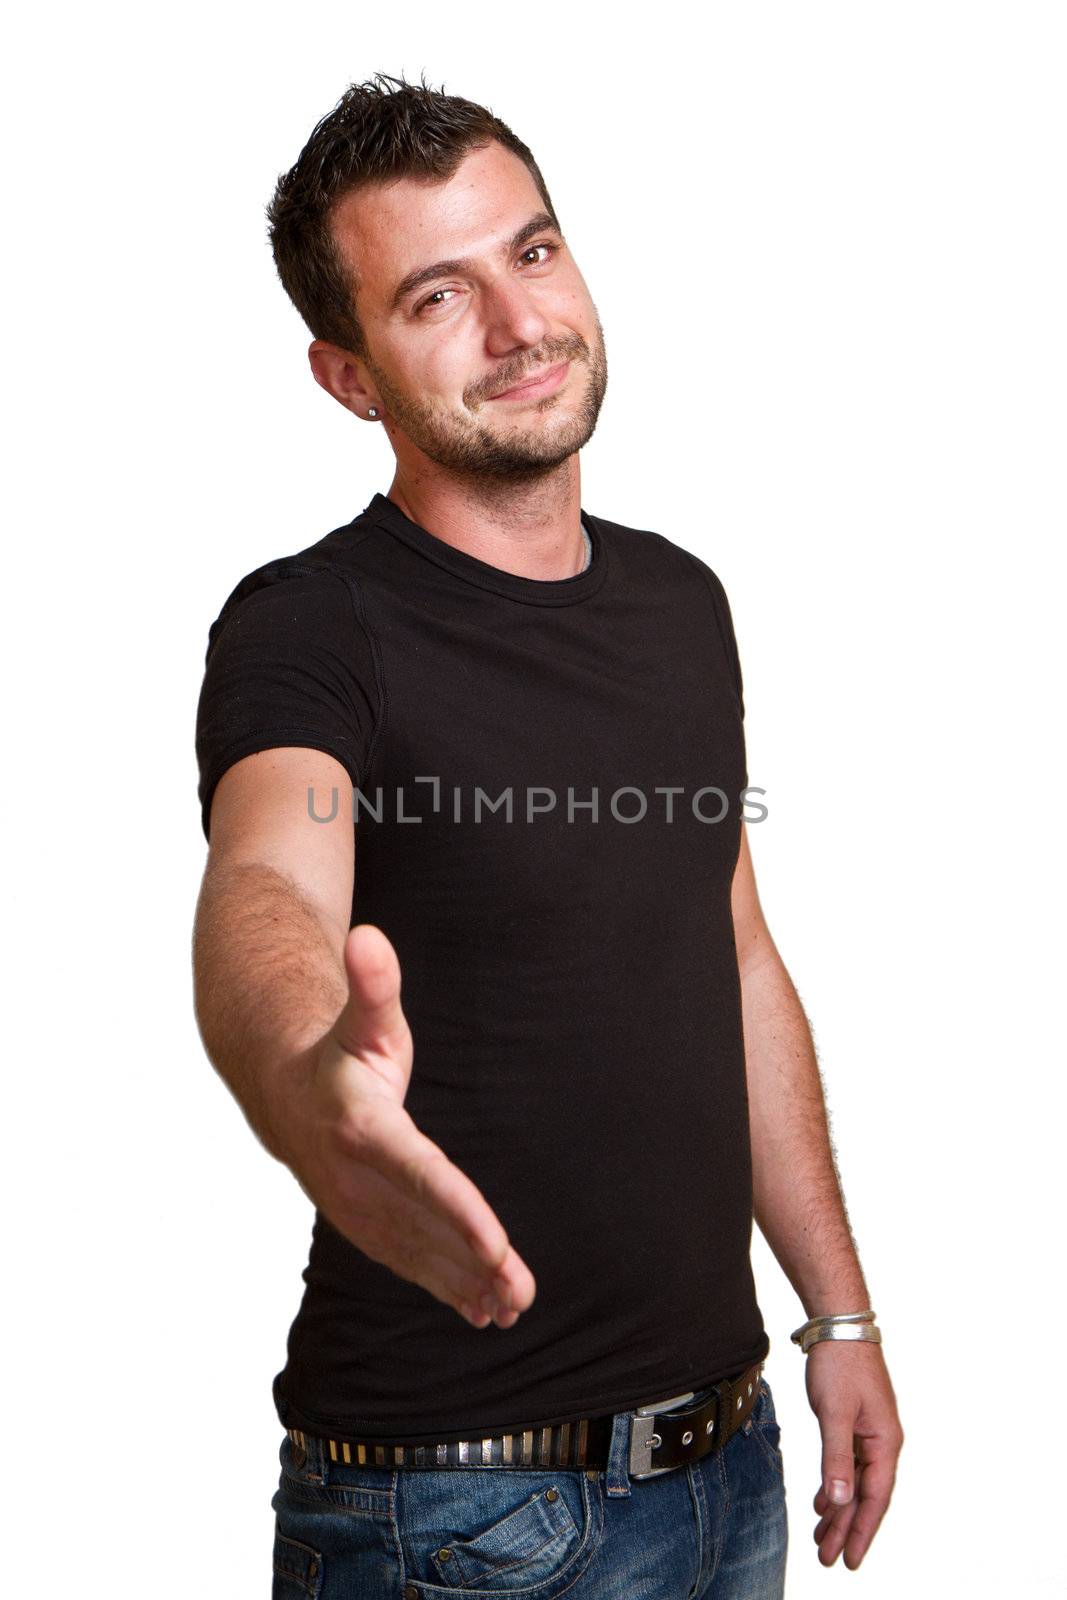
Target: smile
[[541, 386]]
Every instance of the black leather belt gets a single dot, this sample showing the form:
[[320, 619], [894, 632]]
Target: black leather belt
[[663, 1435]]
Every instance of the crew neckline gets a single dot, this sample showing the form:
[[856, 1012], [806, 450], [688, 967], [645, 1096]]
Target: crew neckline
[[530, 591]]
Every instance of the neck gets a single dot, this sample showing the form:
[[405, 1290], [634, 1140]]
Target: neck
[[533, 530]]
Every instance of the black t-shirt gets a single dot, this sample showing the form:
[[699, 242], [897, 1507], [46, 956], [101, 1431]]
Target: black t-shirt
[[570, 977]]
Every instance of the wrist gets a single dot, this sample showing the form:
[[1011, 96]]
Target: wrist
[[290, 1081], [843, 1326], [834, 1299]]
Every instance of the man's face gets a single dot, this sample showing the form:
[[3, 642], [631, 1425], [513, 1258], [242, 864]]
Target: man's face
[[441, 350]]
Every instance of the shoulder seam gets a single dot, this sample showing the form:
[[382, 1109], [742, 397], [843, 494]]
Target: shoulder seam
[[268, 573], [297, 566], [354, 590]]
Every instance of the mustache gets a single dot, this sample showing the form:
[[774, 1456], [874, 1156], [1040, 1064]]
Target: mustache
[[551, 356]]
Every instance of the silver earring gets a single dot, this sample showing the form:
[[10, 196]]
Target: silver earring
[[372, 411]]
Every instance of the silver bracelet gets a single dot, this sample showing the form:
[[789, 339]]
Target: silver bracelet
[[848, 1325], [841, 1316], [848, 1330]]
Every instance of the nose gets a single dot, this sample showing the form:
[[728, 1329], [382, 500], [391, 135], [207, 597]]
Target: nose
[[513, 318]]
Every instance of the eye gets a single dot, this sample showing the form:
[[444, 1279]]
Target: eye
[[551, 248], [432, 299]]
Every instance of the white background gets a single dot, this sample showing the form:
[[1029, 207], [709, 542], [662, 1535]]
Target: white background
[[827, 243]]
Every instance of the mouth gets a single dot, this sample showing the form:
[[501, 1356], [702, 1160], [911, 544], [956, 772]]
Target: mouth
[[544, 383]]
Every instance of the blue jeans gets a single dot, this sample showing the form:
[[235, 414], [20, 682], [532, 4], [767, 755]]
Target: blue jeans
[[714, 1530]]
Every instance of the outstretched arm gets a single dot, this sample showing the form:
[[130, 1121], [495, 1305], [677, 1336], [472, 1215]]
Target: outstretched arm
[[800, 1210]]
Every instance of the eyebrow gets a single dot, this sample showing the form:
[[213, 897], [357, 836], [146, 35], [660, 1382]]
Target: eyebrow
[[444, 269]]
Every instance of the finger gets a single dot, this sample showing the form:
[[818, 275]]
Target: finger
[[390, 1225], [386, 1218], [468, 1229], [832, 1539], [439, 1183], [514, 1283], [419, 1246], [876, 1488], [838, 1461], [490, 1310], [390, 1143], [465, 1292], [372, 1017]]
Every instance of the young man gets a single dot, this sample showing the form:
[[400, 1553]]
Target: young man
[[529, 1352]]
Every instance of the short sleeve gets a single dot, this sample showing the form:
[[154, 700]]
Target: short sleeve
[[289, 661], [725, 623]]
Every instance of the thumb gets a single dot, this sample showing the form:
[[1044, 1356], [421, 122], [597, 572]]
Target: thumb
[[838, 1465], [372, 1018]]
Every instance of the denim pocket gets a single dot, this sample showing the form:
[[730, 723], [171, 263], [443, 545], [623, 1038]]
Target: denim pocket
[[297, 1570], [498, 1531], [363, 1491], [765, 1426]]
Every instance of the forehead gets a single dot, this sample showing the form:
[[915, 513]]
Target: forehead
[[387, 230]]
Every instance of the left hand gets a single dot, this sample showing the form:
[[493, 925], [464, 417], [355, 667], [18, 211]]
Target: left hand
[[850, 1393]]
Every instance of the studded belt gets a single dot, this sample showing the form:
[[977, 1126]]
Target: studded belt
[[663, 1435]]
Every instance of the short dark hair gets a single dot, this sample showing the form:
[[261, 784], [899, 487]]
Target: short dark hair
[[374, 134]]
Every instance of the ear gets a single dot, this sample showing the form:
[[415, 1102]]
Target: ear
[[340, 373]]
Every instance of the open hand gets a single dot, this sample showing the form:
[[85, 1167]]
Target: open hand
[[385, 1186]]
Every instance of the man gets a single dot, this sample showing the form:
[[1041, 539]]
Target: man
[[486, 743]]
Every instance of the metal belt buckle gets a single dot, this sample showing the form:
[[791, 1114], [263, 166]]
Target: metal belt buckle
[[644, 1439]]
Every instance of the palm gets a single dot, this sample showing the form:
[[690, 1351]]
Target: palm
[[382, 1183]]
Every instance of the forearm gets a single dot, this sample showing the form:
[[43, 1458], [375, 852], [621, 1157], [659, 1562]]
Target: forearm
[[268, 985], [797, 1198]]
